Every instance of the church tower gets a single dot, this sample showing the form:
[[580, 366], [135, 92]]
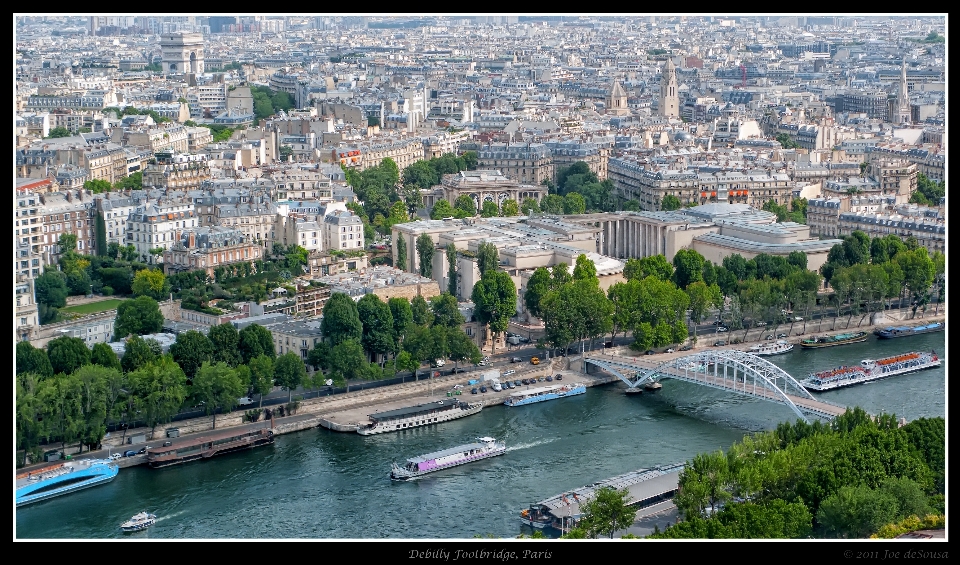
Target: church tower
[[903, 99], [669, 99], [617, 101]]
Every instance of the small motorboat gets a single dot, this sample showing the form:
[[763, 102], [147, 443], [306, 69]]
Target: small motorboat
[[138, 522]]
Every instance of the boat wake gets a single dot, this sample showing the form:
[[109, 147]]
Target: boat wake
[[528, 445], [162, 518]]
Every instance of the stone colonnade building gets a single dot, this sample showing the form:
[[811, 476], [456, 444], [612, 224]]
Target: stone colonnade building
[[482, 186]]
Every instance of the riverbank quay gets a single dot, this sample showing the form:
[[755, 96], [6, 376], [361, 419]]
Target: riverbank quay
[[338, 413]]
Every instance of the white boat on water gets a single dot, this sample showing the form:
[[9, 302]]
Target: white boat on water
[[870, 370], [140, 521], [415, 467], [764, 349]]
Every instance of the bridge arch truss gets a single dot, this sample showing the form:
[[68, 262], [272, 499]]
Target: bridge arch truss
[[726, 369]]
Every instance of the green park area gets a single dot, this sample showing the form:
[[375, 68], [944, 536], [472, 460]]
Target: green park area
[[93, 307]]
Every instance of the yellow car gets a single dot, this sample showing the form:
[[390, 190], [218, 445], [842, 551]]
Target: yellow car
[[535, 360]]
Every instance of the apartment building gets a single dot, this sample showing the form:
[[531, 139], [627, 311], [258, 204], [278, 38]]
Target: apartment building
[[527, 163], [26, 315], [177, 171], [342, 230], [65, 212], [206, 248], [154, 227]]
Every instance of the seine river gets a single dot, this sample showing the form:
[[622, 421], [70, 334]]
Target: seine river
[[322, 484]]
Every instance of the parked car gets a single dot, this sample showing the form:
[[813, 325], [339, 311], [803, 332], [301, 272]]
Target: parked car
[[459, 370], [483, 389], [511, 385], [167, 443], [798, 319], [534, 360], [718, 323], [510, 372], [686, 348], [720, 343], [721, 329], [669, 350], [549, 378], [515, 360], [129, 453], [650, 352], [559, 377], [474, 391], [457, 387], [768, 336], [608, 344], [517, 383], [525, 381], [143, 450], [761, 324], [781, 336], [116, 456]]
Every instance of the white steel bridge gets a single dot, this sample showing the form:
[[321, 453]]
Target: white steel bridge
[[726, 369]]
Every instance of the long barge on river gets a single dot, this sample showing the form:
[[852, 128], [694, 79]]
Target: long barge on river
[[832, 340], [871, 370], [227, 441], [907, 331], [645, 487], [419, 415]]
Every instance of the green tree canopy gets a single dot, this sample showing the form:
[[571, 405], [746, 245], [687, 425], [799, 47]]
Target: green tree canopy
[[606, 512], [67, 354], [289, 372], [138, 316], [256, 340], [341, 321], [218, 386], [33, 360], [488, 257], [425, 249], [489, 209], [495, 300], [465, 206], [225, 342], [136, 354], [509, 208], [377, 321], [104, 356], [670, 202], [442, 209], [191, 350], [446, 311]]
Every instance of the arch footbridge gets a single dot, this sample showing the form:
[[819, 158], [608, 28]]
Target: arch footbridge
[[725, 369]]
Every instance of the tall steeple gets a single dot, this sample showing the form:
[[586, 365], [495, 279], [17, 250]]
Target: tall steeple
[[903, 99], [617, 100], [669, 98]]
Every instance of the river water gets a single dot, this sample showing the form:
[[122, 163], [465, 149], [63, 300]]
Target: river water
[[322, 484]]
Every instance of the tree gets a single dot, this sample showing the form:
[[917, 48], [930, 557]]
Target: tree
[[33, 360], [495, 300], [420, 310], [191, 350], [289, 372], [856, 511], [401, 252], [537, 287], [136, 354], [442, 209], [509, 208], [573, 203], [489, 209], [100, 235], [425, 249], [150, 282], [51, 288], [59, 131], [225, 344], [451, 253], [461, 347], [218, 387], [256, 340], [341, 321], [346, 361], [585, 270], [138, 316], [689, 267], [60, 408], [529, 206], [421, 175], [161, 388], [104, 356], [552, 204], [464, 206], [488, 257], [606, 512], [703, 298], [67, 354], [670, 202], [261, 376], [446, 311], [402, 316], [67, 242], [377, 322]]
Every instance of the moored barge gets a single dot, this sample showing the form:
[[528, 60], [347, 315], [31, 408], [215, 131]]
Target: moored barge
[[419, 415], [832, 340], [209, 445], [907, 331]]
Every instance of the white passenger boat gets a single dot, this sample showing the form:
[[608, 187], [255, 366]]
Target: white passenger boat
[[543, 393], [871, 370], [420, 415], [764, 349], [415, 467]]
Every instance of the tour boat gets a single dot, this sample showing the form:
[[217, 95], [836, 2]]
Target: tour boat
[[419, 415], [68, 477], [415, 467], [830, 341], [766, 349], [543, 393], [871, 370], [906, 331], [138, 522]]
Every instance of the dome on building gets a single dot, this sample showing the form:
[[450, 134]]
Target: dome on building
[[682, 136]]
